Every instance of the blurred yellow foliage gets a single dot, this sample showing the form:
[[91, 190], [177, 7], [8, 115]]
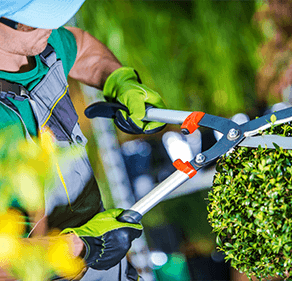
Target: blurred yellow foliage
[[39, 259], [12, 223], [27, 168], [9, 249]]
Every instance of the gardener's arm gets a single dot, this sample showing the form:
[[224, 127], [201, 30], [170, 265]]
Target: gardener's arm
[[96, 66], [94, 61]]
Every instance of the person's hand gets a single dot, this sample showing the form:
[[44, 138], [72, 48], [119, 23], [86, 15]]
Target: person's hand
[[124, 86], [106, 240]]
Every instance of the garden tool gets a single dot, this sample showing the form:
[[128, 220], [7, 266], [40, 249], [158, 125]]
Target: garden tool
[[233, 135]]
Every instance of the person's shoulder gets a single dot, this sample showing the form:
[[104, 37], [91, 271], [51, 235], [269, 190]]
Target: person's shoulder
[[61, 34], [65, 46]]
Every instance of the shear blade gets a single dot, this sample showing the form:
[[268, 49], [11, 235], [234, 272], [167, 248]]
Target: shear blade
[[267, 141]]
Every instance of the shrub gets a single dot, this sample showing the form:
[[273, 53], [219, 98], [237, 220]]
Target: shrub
[[250, 208]]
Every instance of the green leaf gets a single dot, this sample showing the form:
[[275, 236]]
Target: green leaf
[[228, 245], [218, 241], [273, 118], [276, 146]]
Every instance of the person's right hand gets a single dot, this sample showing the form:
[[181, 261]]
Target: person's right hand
[[125, 87]]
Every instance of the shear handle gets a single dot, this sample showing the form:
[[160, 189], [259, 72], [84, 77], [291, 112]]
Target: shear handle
[[156, 195], [104, 109], [108, 110], [189, 120]]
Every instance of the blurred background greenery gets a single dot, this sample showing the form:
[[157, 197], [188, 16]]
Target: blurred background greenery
[[199, 55]]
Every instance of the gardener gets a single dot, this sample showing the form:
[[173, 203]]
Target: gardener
[[36, 56]]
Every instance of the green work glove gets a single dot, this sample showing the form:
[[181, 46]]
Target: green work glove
[[124, 86], [106, 240]]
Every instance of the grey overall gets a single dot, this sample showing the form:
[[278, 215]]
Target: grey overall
[[75, 198]]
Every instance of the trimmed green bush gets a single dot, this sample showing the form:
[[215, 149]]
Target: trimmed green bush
[[250, 208]]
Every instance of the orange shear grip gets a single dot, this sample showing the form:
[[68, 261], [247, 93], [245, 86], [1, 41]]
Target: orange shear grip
[[191, 122], [186, 167]]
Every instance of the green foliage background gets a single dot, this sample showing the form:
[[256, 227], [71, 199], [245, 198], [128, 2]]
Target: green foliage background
[[199, 55]]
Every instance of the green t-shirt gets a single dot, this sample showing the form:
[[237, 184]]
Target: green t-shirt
[[64, 43]]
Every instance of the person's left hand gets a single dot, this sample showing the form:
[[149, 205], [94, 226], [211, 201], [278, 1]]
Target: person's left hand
[[106, 240], [124, 86]]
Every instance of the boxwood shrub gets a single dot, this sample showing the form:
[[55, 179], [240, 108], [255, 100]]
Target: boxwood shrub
[[250, 208]]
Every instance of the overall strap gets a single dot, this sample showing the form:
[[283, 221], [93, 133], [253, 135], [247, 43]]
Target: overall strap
[[8, 103], [48, 56], [17, 91], [6, 86], [12, 90]]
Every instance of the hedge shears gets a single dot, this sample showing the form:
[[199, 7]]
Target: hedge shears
[[233, 135]]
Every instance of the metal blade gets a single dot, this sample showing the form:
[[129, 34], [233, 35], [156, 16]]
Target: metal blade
[[252, 127], [267, 141]]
